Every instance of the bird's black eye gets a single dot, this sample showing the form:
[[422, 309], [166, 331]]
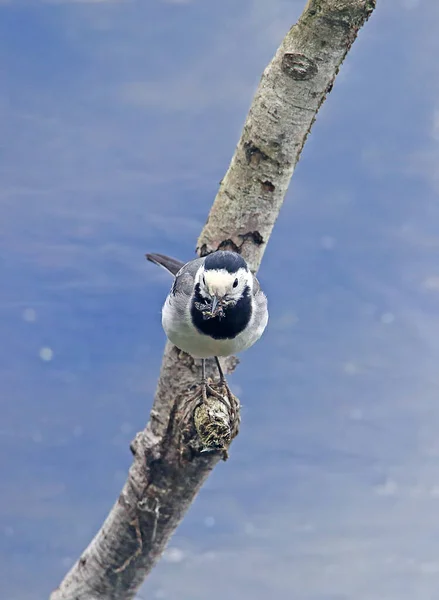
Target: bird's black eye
[[235, 283]]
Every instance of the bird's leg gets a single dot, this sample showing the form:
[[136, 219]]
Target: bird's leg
[[204, 384], [220, 371], [192, 403], [207, 387], [233, 403]]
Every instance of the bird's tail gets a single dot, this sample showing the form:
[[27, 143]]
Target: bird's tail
[[170, 264]]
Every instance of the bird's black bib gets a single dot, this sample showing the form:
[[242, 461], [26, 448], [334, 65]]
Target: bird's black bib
[[233, 322]]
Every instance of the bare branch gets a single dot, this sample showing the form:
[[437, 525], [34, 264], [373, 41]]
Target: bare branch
[[169, 466], [291, 91]]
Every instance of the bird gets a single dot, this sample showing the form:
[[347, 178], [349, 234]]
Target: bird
[[215, 308]]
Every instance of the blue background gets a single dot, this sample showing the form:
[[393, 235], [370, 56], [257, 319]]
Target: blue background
[[118, 120]]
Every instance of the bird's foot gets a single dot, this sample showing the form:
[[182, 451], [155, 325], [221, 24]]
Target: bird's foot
[[233, 407], [217, 427], [214, 411], [222, 392], [208, 389]]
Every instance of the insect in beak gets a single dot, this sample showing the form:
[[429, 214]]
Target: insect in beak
[[215, 308]]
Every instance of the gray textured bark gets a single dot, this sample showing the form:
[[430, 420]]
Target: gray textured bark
[[168, 468]]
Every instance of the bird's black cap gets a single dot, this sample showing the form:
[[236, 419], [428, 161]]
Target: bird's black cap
[[224, 259]]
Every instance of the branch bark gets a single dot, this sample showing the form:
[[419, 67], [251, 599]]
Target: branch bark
[[168, 468]]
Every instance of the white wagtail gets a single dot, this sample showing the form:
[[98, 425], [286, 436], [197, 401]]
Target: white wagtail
[[215, 307]]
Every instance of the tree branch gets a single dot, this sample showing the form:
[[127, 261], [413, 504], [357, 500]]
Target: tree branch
[[169, 467]]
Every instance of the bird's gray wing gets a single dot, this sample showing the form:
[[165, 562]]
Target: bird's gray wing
[[184, 280], [256, 286], [259, 296], [172, 265], [184, 272]]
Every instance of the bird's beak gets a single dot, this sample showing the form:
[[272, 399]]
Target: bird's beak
[[214, 305]]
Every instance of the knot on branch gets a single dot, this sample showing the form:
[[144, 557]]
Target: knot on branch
[[267, 187], [253, 154], [242, 244], [298, 66]]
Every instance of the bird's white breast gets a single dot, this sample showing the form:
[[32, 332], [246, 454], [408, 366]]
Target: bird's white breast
[[181, 332]]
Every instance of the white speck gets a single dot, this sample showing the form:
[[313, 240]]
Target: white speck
[[351, 368], [85, 231], [249, 528], [327, 242], [331, 569], [159, 594], [431, 283], [429, 568], [387, 318], [286, 321], [356, 414], [173, 555], [304, 527], [209, 521], [37, 437], [78, 431], [388, 488], [46, 354], [29, 315], [417, 491]]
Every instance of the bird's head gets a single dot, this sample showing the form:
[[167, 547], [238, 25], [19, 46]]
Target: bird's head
[[221, 282]]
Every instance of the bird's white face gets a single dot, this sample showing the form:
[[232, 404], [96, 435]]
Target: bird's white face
[[222, 285]]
